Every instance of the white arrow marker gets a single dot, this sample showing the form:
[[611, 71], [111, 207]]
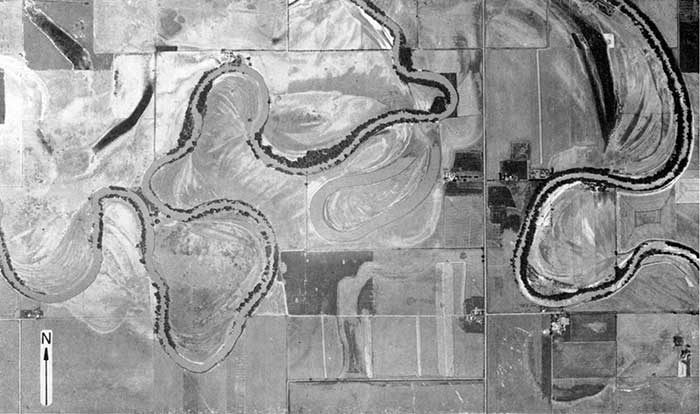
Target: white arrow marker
[[46, 370]]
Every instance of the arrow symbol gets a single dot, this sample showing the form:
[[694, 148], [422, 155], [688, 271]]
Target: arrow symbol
[[46, 376]]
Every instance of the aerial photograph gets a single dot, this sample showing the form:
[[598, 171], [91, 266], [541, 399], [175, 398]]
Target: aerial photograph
[[349, 206]]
